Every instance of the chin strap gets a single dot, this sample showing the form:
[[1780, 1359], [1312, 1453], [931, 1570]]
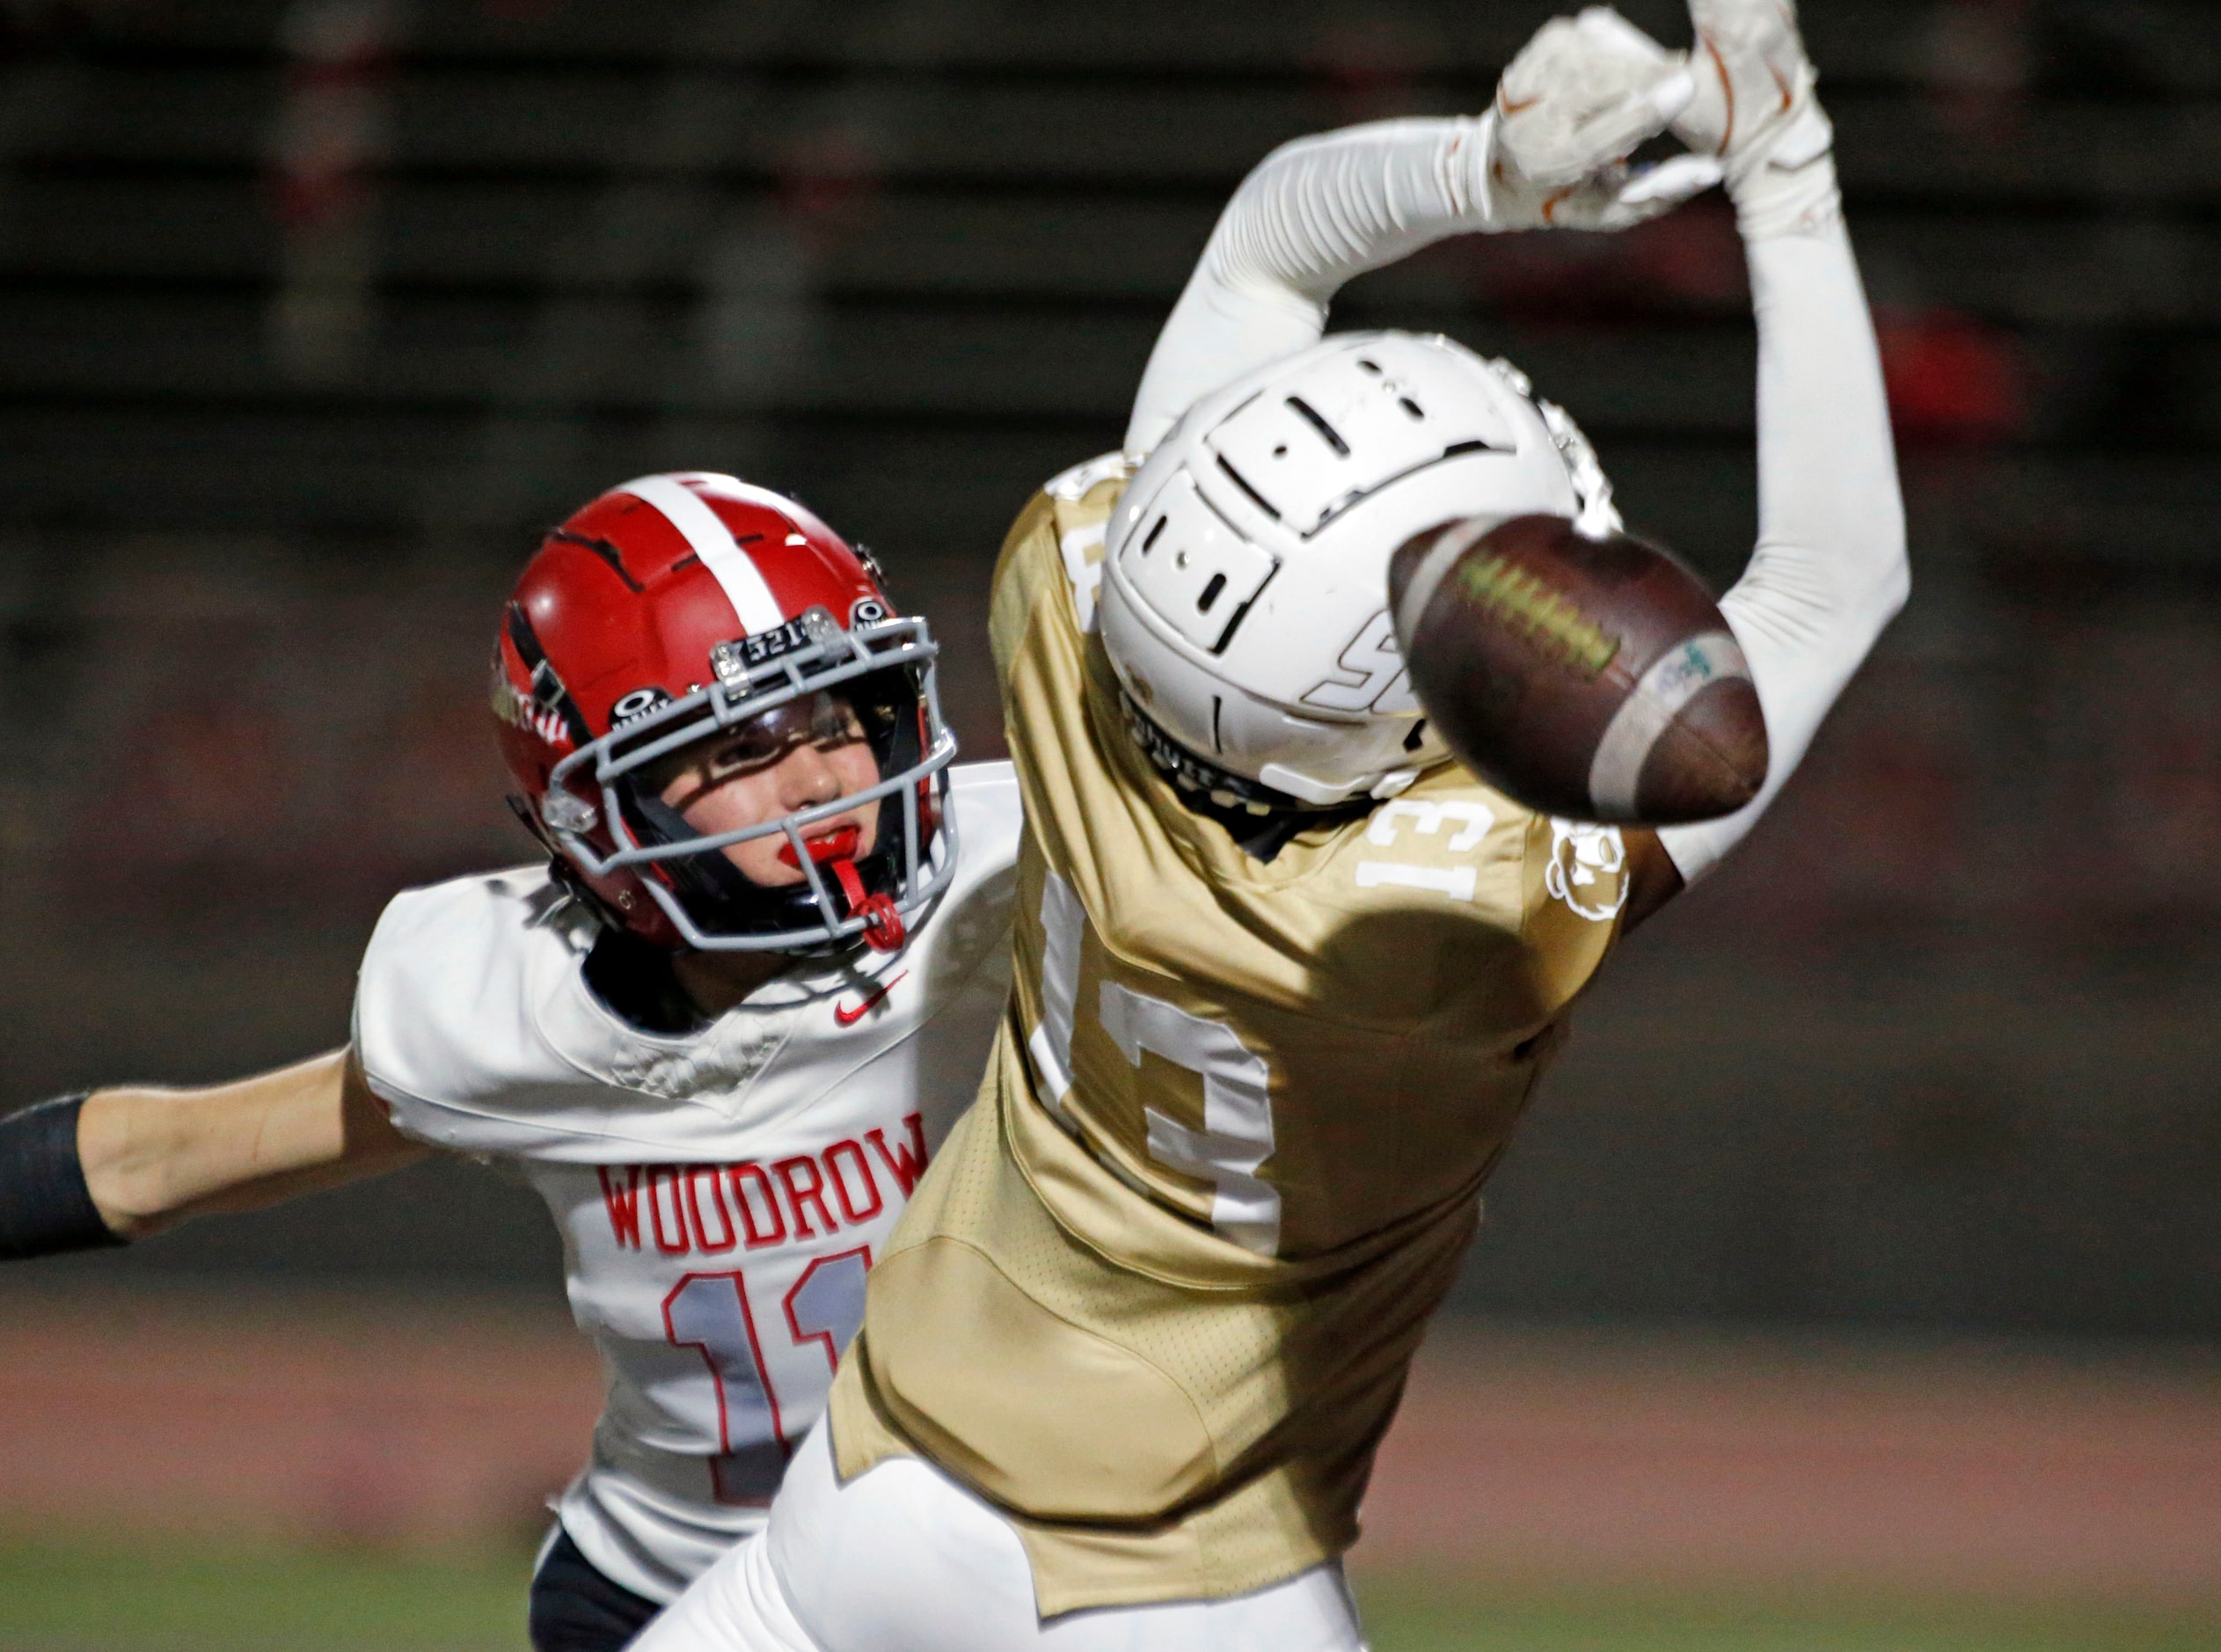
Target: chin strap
[[883, 930]]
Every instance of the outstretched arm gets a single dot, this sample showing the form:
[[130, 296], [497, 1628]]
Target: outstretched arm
[[146, 1158], [1320, 210], [1829, 571]]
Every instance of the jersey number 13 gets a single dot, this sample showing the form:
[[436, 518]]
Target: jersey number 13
[[1237, 1137]]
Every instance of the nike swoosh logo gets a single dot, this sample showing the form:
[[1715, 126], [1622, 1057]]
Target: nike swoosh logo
[[847, 1017], [1521, 107]]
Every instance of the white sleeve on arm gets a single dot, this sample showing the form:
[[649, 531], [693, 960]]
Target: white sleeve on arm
[[1313, 214], [1830, 570]]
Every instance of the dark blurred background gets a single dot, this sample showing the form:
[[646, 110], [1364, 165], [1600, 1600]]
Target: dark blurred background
[[313, 312]]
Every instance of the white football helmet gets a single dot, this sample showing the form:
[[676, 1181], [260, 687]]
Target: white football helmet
[[1244, 594]]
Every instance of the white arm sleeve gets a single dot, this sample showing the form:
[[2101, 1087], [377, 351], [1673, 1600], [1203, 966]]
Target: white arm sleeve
[[1830, 570], [1313, 214]]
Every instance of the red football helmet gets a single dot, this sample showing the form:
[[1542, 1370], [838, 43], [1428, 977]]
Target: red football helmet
[[679, 606]]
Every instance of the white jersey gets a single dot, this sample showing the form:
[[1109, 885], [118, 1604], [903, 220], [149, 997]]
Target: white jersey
[[720, 1195]]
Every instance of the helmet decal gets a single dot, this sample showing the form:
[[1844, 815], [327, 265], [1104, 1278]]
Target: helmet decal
[[550, 703]]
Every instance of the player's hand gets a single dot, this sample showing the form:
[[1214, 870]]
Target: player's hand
[[1754, 110], [1579, 98]]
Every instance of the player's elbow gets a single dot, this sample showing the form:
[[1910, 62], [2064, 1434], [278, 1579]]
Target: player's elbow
[[1863, 612], [129, 1142], [1871, 573], [1285, 155], [135, 1146], [1893, 566], [131, 1226], [1897, 590]]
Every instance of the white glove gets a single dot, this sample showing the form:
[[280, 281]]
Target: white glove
[[1755, 111], [1577, 100]]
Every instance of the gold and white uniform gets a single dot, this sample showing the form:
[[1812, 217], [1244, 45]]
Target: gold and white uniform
[[1158, 1300], [1155, 1300]]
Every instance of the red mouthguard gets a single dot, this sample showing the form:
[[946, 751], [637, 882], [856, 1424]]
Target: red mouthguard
[[837, 845]]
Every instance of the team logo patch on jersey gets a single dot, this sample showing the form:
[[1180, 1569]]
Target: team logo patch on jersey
[[1588, 869]]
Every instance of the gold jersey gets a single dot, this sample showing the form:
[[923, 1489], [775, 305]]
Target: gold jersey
[[1157, 1296]]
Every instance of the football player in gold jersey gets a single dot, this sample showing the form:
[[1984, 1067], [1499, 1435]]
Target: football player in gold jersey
[[1285, 977]]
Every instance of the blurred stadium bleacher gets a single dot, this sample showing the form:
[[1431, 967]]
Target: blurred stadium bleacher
[[315, 309]]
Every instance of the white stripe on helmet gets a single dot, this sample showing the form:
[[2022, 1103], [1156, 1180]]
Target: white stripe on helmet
[[734, 569]]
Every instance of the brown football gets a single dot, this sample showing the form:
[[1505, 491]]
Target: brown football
[[1591, 678]]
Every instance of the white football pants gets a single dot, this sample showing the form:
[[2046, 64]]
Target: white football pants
[[902, 1559]]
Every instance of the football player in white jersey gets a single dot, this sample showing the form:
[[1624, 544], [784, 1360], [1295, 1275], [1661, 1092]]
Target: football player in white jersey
[[721, 1033], [1284, 978]]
